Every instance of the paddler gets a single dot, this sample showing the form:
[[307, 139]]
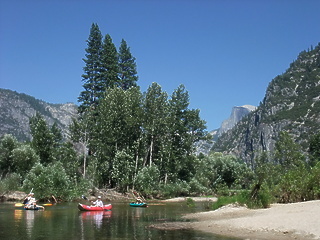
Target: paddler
[[98, 202]]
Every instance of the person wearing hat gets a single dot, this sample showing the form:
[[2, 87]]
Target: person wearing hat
[[28, 198], [98, 202], [32, 203]]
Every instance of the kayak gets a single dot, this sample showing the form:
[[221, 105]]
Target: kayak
[[133, 204], [34, 208], [22, 205], [83, 207]]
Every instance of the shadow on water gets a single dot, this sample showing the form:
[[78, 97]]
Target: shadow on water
[[65, 221]]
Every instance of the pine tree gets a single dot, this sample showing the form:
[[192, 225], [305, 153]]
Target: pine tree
[[128, 68], [109, 67], [92, 70]]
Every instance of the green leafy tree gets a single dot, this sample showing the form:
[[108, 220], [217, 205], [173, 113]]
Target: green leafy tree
[[42, 138], [93, 85], [128, 68], [7, 144], [314, 149], [123, 170], [24, 158], [67, 155], [218, 170], [118, 129], [81, 133], [147, 181], [47, 181], [155, 106], [287, 152]]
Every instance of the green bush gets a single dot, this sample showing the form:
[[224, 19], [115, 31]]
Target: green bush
[[313, 184], [49, 180], [293, 186], [260, 197], [177, 189], [190, 202], [147, 180], [196, 188], [240, 199]]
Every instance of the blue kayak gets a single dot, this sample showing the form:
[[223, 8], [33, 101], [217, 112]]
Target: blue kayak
[[133, 204]]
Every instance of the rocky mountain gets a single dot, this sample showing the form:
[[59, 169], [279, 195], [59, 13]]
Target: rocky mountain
[[17, 108], [237, 114], [291, 103]]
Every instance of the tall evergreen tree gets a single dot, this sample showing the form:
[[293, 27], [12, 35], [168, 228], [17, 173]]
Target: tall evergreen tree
[[128, 67], [109, 67], [92, 70]]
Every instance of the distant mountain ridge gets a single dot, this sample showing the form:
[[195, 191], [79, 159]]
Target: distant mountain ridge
[[291, 103], [17, 108], [237, 113]]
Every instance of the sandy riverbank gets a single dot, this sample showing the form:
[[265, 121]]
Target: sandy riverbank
[[280, 221]]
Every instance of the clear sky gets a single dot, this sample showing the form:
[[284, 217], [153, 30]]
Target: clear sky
[[225, 52]]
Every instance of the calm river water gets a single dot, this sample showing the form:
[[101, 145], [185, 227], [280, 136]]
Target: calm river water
[[65, 221]]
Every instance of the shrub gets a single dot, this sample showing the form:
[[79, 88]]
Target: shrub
[[177, 189], [225, 200], [293, 186], [47, 181], [147, 180], [259, 197]]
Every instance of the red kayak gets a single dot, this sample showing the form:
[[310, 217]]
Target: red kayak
[[83, 207]]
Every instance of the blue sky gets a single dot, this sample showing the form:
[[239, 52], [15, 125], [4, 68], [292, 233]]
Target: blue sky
[[224, 52]]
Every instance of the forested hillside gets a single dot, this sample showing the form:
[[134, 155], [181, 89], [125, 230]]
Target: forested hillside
[[291, 104]]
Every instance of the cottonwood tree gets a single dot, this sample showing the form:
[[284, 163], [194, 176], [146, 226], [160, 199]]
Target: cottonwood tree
[[155, 107], [7, 144], [42, 138]]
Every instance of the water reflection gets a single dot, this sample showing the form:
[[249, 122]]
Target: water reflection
[[96, 216], [65, 221], [29, 221], [18, 214], [137, 212]]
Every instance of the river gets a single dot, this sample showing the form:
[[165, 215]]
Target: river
[[65, 221]]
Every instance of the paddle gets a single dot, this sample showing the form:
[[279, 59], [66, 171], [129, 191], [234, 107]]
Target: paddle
[[22, 205], [24, 201]]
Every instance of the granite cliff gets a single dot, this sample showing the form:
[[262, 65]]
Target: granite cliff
[[17, 108], [291, 103]]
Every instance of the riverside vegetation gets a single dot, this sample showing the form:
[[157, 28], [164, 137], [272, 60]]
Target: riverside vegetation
[[125, 139]]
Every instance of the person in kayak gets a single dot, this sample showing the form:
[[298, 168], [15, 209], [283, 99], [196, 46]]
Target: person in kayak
[[28, 198], [32, 203], [98, 202]]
